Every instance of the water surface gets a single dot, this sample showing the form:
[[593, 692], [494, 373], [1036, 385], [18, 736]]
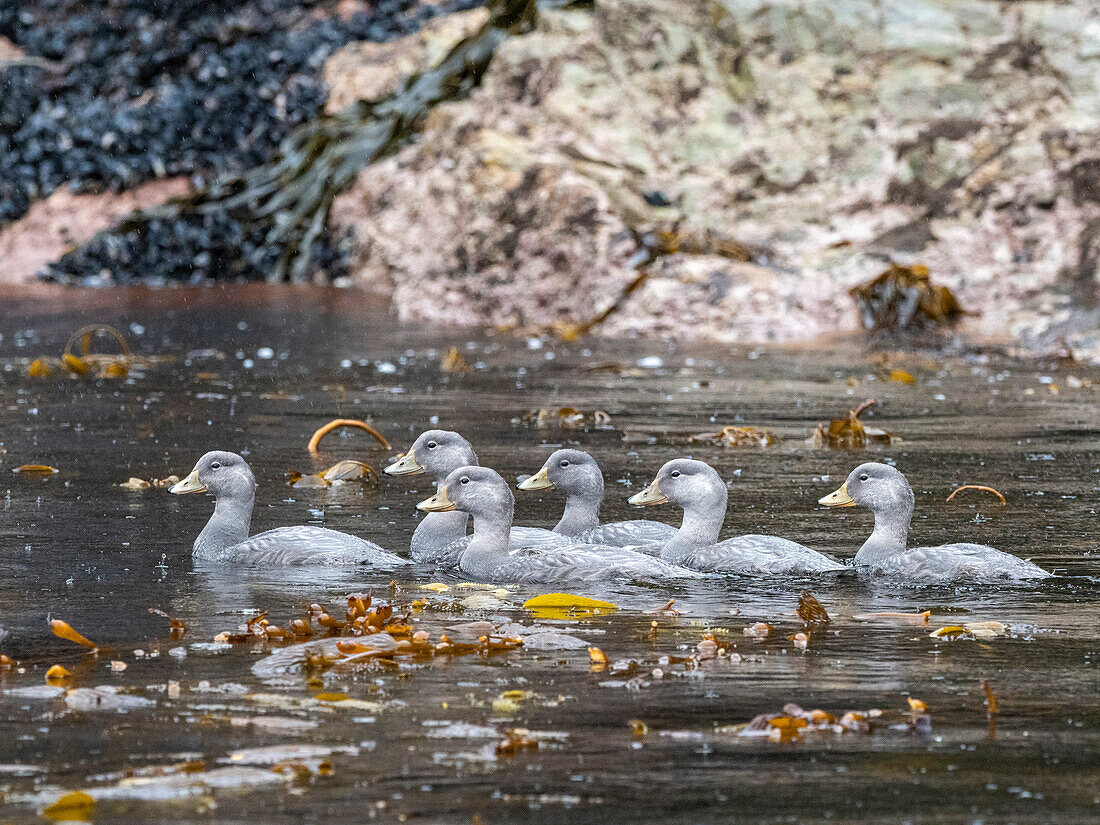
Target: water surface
[[257, 371]]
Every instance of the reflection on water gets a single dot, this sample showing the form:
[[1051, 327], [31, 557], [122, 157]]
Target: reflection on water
[[418, 741]]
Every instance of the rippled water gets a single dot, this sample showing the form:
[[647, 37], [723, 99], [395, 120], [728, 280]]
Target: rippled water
[[417, 742]]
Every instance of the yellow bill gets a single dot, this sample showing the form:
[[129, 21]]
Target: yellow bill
[[439, 503], [539, 481], [649, 496], [191, 484], [838, 498], [404, 466]]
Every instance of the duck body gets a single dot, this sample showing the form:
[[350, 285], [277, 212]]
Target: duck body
[[225, 537], [440, 537], [488, 555], [578, 476], [699, 490], [886, 492]]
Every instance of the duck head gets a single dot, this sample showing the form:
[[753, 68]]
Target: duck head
[[479, 491], [878, 487], [573, 472], [225, 475], [684, 482], [435, 452]]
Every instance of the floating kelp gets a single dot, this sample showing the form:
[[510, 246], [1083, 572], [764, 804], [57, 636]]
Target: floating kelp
[[284, 204], [77, 359], [902, 299], [739, 437], [793, 723], [812, 612], [343, 423], [454, 362], [567, 418], [982, 487], [849, 433]]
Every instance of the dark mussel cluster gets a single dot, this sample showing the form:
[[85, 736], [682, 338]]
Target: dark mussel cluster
[[116, 92]]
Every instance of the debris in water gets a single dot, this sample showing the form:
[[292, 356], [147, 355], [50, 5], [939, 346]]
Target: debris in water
[[72, 807], [812, 612], [64, 630], [901, 377], [133, 483], [349, 470], [739, 437], [177, 628], [849, 433], [566, 605], [340, 423], [889, 616], [902, 298], [57, 674], [567, 418], [970, 630], [978, 487], [759, 630], [36, 469], [454, 362], [990, 699]]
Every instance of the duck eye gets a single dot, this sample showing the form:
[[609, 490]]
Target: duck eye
[[431, 445], [863, 477], [675, 474], [215, 465], [563, 463], [464, 480]]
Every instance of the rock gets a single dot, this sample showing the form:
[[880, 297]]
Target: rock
[[64, 219], [370, 70], [961, 136]]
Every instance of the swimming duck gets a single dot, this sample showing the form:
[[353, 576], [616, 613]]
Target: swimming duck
[[225, 538], [441, 536], [486, 496], [699, 490], [575, 473], [886, 493]]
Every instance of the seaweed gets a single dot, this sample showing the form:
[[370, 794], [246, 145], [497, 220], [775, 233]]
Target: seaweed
[[903, 299]]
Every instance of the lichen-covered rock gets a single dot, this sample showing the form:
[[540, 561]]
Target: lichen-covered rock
[[834, 137]]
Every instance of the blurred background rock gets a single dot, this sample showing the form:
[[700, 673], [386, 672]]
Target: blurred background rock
[[823, 140]]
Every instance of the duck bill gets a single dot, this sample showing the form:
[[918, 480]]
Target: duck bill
[[649, 496], [404, 466], [191, 484], [439, 503], [838, 498], [539, 481]]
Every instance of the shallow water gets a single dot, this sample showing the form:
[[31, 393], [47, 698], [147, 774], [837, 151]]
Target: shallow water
[[416, 742]]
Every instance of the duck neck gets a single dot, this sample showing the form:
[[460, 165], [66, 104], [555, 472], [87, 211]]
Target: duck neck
[[436, 530], [488, 548], [890, 535], [582, 513], [228, 526], [700, 528]]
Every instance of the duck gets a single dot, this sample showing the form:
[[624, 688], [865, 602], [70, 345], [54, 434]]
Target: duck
[[441, 537], [576, 473], [225, 538], [699, 490], [885, 491], [487, 497]]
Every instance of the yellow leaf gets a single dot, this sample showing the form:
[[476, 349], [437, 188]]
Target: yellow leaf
[[57, 673], [902, 377], [64, 630], [917, 705], [75, 365], [567, 600], [438, 587], [39, 368], [950, 632], [332, 697], [36, 469], [72, 807], [510, 700]]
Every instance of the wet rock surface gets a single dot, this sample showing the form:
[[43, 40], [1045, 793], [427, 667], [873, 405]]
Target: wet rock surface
[[959, 136]]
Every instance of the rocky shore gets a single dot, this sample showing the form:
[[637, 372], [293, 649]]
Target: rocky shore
[[828, 140]]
